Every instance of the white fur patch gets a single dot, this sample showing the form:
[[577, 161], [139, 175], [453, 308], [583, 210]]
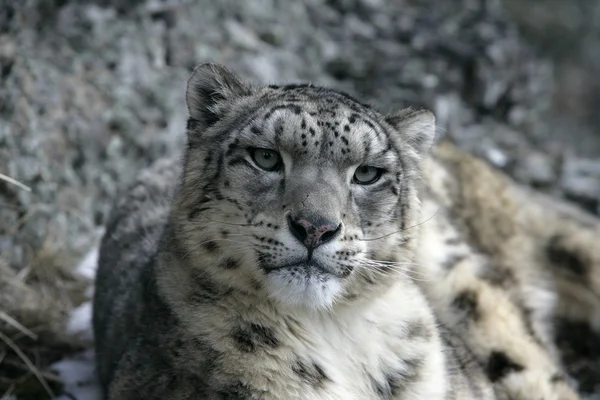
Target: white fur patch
[[306, 288]]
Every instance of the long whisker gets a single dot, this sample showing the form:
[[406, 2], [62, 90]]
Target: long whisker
[[401, 230], [391, 264], [372, 267], [375, 272]]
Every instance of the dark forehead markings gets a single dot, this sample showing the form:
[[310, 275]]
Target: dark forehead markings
[[366, 149], [367, 120], [375, 127], [290, 86], [321, 94], [292, 107], [279, 130]]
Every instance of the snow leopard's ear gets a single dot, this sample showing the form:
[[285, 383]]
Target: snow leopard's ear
[[416, 127], [210, 89]]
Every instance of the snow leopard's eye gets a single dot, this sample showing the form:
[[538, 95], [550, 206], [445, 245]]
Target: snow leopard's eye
[[366, 175], [266, 159]]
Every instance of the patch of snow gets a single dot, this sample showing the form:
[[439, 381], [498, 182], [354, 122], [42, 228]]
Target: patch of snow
[[79, 377], [88, 265], [80, 322]]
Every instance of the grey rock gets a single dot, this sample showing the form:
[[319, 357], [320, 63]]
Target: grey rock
[[537, 169], [581, 181]]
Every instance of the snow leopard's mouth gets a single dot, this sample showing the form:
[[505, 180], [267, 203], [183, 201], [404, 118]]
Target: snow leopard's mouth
[[301, 265], [304, 282], [308, 267]]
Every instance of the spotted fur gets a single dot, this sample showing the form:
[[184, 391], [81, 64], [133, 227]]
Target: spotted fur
[[301, 283]]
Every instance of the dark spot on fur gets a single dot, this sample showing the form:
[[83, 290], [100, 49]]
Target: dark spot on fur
[[310, 373], [565, 258], [498, 276], [197, 211], [279, 130], [453, 241], [467, 302], [345, 270], [256, 285], [418, 330], [192, 124], [230, 263], [452, 261], [350, 296], [210, 246], [204, 291], [499, 365], [396, 382], [250, 337], [236, 391], [255, 130], [558, 377]]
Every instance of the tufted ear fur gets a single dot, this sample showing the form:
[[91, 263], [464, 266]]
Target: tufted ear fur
[[209, 89], [416, 127]]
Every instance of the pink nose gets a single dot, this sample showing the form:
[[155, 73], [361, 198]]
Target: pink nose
[[313, 236]]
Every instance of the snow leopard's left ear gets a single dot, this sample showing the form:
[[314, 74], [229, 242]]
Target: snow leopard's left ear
[[416, 127], [210, 89]]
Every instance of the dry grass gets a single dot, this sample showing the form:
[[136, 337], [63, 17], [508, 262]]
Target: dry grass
[[35, 302]]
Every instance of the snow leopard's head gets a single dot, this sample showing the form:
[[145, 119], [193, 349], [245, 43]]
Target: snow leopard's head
[[297, 193]]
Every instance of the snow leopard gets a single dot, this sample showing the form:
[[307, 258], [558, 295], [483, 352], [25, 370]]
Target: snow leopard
[[308, 246]]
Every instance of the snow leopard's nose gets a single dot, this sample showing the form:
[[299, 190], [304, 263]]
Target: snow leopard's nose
[[315, 233]]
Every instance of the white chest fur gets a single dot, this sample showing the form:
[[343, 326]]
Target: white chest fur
[[386, 349]]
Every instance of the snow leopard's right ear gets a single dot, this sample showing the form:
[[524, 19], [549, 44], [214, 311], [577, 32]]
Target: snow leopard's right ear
[[416, 127], [210, 90]]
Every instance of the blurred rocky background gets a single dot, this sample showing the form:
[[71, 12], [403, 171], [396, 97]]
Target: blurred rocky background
[[93, 90]]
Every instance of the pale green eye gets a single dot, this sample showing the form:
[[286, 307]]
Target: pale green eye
[[365, 175], [266, 159]]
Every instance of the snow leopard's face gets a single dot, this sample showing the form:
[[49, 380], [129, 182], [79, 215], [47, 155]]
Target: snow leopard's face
[[298, 193]]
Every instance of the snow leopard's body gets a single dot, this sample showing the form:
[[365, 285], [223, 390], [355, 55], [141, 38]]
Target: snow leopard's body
[[302, 281]]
